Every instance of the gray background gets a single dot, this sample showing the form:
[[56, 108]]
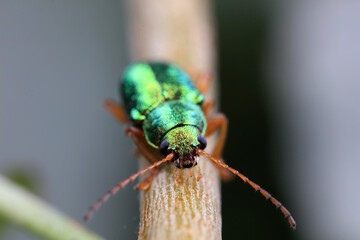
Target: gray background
[[289, 85], [59, 60]]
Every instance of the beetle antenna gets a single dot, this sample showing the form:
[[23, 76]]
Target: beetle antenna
[[122, 184], [267, 195]]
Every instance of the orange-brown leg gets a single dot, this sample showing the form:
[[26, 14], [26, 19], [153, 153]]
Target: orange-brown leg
[[146, 183], [138, 137], [202, 82], [177, 176], [116, 110], [151, 154], [198, 173], [136, 134], [207, 106], [219, 121]]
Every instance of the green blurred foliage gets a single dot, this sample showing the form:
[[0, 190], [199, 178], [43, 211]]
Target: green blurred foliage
[[24, 177]]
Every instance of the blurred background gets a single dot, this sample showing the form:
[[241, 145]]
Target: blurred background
[[289, 84]]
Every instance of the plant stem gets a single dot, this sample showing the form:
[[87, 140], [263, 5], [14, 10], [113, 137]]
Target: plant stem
[[179, 32], [28, 211]]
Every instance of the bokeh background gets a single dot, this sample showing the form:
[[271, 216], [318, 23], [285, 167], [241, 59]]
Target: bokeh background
[[289, 84]]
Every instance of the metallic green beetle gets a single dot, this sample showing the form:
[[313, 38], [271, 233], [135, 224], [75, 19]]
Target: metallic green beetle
[[168, 115], [162, 99]]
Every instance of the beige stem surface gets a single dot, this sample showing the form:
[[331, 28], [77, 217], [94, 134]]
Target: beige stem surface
[[179, 31]]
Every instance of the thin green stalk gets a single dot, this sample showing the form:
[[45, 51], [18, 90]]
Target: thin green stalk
[[33, 214]]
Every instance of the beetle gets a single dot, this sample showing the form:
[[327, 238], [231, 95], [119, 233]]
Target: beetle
[[168, 118]]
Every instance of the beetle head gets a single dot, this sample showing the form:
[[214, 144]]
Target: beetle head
[[183, 140]]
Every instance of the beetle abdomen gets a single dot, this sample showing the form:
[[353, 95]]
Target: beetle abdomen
[[145, 85]]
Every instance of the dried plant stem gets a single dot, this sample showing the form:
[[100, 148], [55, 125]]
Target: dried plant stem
[[187, 210], [180, 32], [28, 211]]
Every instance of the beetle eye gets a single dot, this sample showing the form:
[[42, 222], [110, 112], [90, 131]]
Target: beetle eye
[[202, 141], [164, 147]]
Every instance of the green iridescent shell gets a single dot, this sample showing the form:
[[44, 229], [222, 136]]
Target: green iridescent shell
[[168, 115], [145, 85]]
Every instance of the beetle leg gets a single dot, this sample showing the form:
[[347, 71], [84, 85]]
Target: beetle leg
[[116, 110], [138, 137], [136, 134], [202, 82], [150, 153], [207, 106], [219, 121], [177, 176], [198, 173], [145, 184]]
